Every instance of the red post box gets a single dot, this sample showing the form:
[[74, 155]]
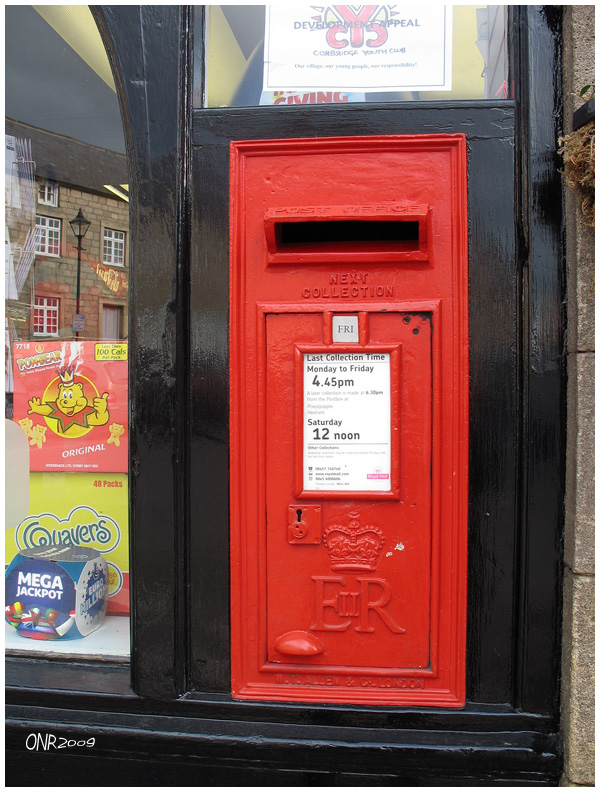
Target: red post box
[[349, 420]]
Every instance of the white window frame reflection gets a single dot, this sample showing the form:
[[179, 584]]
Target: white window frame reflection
[[49, 242], [48, 193], [113, 247], [48, 308]]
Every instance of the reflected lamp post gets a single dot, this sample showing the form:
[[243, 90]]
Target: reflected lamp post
[[79, 226]]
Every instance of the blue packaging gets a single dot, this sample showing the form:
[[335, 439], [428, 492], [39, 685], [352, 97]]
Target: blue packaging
[[56, 592]]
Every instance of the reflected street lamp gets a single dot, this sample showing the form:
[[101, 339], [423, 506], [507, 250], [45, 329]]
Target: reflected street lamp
[[79, 226]]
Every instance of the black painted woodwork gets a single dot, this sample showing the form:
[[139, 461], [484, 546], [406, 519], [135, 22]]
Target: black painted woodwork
[[494, 309], [169, 717]]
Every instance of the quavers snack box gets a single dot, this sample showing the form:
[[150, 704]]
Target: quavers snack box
[[56, 592]]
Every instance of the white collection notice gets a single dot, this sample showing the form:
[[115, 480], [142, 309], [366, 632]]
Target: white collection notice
[[347, 421]]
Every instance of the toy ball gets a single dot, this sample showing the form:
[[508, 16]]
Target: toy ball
[[11, 616], [51, 615]]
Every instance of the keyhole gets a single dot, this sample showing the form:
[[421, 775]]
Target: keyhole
[[299, 513]]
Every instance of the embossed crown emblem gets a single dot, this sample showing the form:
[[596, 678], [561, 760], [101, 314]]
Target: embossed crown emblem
[[354, 546]]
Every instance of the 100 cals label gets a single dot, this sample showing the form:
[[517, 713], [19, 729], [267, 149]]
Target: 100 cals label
[[83, 527]]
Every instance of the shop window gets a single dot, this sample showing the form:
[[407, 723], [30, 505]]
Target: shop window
[[64, 139], [48, 229], [290, 56], [113, 248], [48, 193], [45, 316]]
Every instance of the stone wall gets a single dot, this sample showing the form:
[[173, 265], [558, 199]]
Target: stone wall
[[578, 614]]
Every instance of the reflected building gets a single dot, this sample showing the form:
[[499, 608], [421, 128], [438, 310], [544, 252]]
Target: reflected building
[[49, 177]]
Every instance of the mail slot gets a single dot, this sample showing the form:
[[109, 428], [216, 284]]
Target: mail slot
[[347, 234], [349, 420]]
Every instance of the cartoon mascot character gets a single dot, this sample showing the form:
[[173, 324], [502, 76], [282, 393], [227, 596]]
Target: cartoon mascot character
[[71, 406]]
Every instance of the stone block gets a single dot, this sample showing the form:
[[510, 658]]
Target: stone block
[[580, 484], [578, 679]]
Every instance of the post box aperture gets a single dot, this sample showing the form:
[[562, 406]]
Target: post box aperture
[[349, 420]]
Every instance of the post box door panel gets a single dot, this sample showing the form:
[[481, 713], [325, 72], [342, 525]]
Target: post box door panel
[[349, 564], [348, 420]]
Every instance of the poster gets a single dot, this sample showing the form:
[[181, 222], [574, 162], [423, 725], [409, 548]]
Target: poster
[[70, 399], [347, 421], [81, 510], [358, 48]]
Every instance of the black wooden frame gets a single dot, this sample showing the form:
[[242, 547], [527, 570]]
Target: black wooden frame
[[171, 713]]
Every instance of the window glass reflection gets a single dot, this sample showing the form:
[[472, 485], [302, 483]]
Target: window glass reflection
[[66, 307], [293, 55]]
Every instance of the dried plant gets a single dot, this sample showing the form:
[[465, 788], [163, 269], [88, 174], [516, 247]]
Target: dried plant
[[577, 151]]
